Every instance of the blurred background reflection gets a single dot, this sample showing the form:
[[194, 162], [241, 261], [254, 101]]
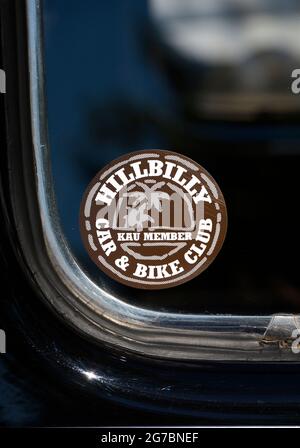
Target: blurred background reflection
[[210, 79]]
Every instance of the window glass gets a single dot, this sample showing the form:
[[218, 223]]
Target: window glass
[[125, 75]]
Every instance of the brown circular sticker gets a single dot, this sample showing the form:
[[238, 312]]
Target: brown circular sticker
[[153, 219]]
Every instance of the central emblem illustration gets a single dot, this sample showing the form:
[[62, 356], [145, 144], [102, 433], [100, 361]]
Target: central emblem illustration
[[153, 219]]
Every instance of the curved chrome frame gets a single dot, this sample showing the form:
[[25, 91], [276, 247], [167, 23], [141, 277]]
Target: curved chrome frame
[[107, 319]]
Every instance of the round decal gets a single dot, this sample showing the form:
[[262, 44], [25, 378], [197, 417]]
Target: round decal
[[153, 219]]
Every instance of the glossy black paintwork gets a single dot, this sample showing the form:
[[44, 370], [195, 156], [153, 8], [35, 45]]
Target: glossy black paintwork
[[42, 379]]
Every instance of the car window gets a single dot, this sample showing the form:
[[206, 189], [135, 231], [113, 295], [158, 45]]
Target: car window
[[128, 75]]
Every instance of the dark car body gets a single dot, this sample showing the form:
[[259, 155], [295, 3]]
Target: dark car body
[[51, 374]]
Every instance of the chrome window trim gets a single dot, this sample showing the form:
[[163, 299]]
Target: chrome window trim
[[109, 320]]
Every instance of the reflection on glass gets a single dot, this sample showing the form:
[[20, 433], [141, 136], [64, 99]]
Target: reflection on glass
[[234, 57], [209, 79]]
